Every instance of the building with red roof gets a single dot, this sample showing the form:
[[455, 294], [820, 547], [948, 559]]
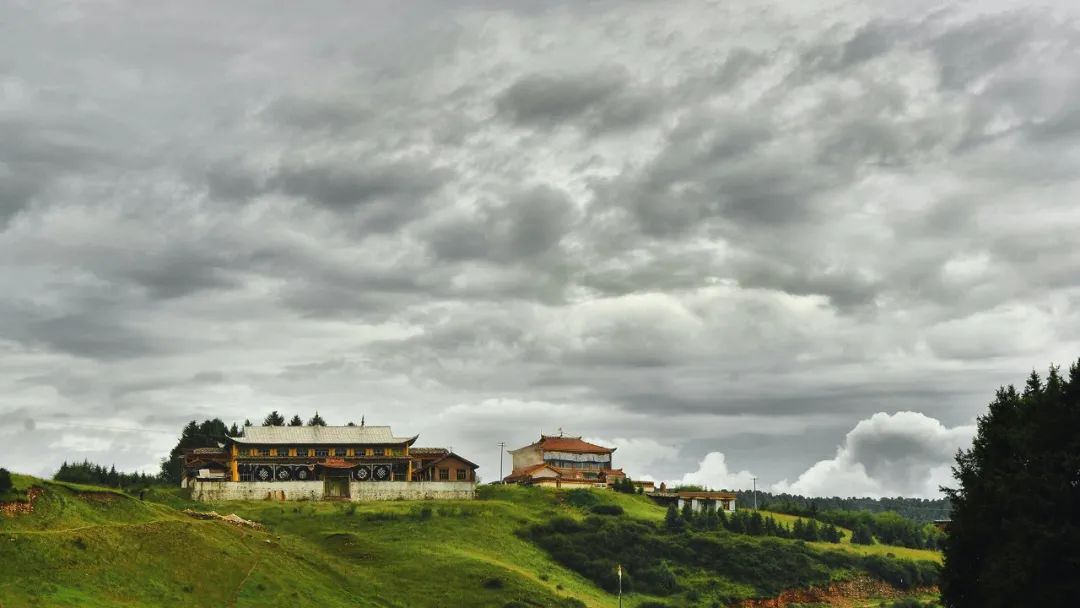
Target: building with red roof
[[560, 461]]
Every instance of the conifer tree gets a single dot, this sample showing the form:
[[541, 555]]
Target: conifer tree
[[861, 535], [5, 480], [672, 520], [296, 420], [234, 431], [1014, 538], [316, 420], [274, 419]]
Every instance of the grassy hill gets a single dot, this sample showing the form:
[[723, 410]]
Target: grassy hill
[[89, 546]]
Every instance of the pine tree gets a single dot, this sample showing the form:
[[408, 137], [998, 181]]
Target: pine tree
[[296, 420], [316, 420], [5, 480], [672, 520], [234, 431], [274, 419], [1014, 538], [812, 532], [756, 524], [688, 512], [861, 535], [798, 530]]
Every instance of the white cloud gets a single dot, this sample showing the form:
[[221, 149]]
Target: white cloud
[[903, 454], [713, 473], [637, 455]]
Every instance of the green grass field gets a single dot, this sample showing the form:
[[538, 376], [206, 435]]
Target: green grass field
[[89, 546], [845, 543]]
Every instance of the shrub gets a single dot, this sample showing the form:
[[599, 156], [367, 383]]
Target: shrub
[[581, 498], [493, 583], [607, 509]]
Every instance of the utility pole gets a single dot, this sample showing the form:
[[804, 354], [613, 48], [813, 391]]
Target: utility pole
[[502, 446], [620, 585], [755, 493]]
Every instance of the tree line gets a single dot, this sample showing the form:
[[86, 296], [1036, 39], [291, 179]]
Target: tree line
[[750, 523], [86, 472]]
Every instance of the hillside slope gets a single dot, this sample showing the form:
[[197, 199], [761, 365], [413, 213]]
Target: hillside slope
[[87, 546]]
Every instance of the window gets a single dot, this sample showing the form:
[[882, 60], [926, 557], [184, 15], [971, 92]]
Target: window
[[444, 474], [380, 451], [339, 451], [265, 452], [462, 475], [321, 452]]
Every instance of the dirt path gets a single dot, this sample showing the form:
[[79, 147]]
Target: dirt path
[[236, 594]]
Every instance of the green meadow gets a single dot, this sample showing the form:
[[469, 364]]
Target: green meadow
[[90, 546]]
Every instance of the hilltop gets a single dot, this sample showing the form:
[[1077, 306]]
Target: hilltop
[[90, 546]]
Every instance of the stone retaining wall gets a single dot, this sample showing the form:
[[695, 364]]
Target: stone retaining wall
[[217, 491]]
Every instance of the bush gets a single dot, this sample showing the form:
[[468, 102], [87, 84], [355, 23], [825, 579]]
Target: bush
[[493, 583], [607, 509], [581, 498], [5, 480]]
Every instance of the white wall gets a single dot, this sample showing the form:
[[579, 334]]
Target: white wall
[[217, 491]]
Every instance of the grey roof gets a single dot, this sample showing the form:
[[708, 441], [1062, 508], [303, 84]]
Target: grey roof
[[320, 434]]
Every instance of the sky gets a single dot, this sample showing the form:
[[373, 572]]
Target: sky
[[803, 242]]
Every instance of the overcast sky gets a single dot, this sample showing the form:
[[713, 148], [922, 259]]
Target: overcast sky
[[798, 240]]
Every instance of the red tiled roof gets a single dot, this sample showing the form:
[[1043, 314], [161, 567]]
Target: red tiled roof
[[528, 471], [571, 444]]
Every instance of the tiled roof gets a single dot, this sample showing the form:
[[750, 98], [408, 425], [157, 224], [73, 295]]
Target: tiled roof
[[308, 435], [528, 471], [428, 451], [570, 444]]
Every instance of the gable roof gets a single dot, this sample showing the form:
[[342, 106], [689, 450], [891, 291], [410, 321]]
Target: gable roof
[[445, 456], [570, 444], [321, 435]]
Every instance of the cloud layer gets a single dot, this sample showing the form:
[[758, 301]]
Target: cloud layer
[[903, 454], [692, 229]]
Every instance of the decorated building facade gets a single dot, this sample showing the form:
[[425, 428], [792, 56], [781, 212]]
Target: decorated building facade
[[326, 462], [564, 462]]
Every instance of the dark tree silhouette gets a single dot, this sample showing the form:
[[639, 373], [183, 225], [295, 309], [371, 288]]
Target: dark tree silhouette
[[274, 419], [296, 420], [1014, 538], [316, 420]]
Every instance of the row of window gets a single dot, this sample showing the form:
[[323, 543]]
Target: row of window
[[462, 474], [324, 452]]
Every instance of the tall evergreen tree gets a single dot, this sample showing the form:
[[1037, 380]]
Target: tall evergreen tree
[[210, 433], [1014, 538], [296, 420], [5, 480], [234, 431], [274, 419], [861, 535], [316, 420], [672, 520]]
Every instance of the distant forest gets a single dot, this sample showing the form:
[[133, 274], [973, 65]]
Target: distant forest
[[917, 509]]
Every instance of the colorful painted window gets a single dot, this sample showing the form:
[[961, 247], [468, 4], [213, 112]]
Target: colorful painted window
[[321, 452]]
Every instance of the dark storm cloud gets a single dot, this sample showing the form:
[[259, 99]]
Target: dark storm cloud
[[34, 156], [383, 193], [601, 100], [655, 224], [524, 225]]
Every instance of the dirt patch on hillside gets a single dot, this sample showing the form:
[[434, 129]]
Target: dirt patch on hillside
[[846, 594], [231, 518], [100, 498], [19, 507]]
